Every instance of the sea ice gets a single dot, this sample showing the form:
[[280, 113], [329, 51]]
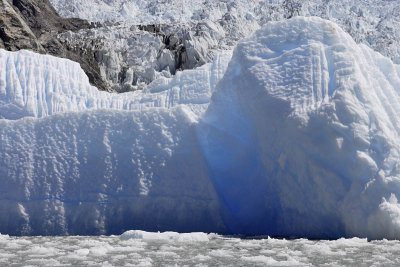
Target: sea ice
[[219, 250]]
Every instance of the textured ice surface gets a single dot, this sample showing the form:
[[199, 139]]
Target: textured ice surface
[[302, 134], [104, 171], [301, 138], [372, 22], [150, 12], [63, 173], [33, 85], [217, 250], [131, 55]]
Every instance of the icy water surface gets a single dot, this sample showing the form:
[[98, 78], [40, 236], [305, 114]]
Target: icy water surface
[[152, 249]]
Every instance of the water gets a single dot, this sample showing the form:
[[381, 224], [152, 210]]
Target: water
[[211, 251]]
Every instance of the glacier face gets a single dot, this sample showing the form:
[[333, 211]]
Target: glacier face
[[300, 139]]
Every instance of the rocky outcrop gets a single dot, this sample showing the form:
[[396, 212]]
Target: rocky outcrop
[[35, 25], [15, 34]]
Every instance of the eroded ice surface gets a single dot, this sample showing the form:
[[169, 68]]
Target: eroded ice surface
[[216, 250], [301, 138], [308, 122], [34, 85]]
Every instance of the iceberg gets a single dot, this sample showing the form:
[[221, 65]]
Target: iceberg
[[302, 135], [300, 139], [165, 236], [69, 152]]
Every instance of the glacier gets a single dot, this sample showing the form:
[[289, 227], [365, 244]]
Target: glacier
[[135, 41], [300, 139], [371, 22]]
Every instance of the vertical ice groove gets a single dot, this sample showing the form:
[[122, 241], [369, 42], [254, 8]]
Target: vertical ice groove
[[41, 86], [324, 76], [329, 151]]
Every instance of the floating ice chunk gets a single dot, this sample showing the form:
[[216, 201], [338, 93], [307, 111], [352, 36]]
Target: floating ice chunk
[[270, 261], [165, 236]]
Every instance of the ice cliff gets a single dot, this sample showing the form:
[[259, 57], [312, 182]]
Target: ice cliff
[[301, 138], [302, 134]]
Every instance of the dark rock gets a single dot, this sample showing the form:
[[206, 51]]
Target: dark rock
[[34, 25], [152, 28]]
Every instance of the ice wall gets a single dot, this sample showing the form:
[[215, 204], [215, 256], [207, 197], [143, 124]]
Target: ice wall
[[104, 171], [302, 135], [301, 138], [101, 163]]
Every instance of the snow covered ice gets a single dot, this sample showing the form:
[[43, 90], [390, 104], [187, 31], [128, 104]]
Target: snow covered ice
[[185, 250], [300, 139]]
